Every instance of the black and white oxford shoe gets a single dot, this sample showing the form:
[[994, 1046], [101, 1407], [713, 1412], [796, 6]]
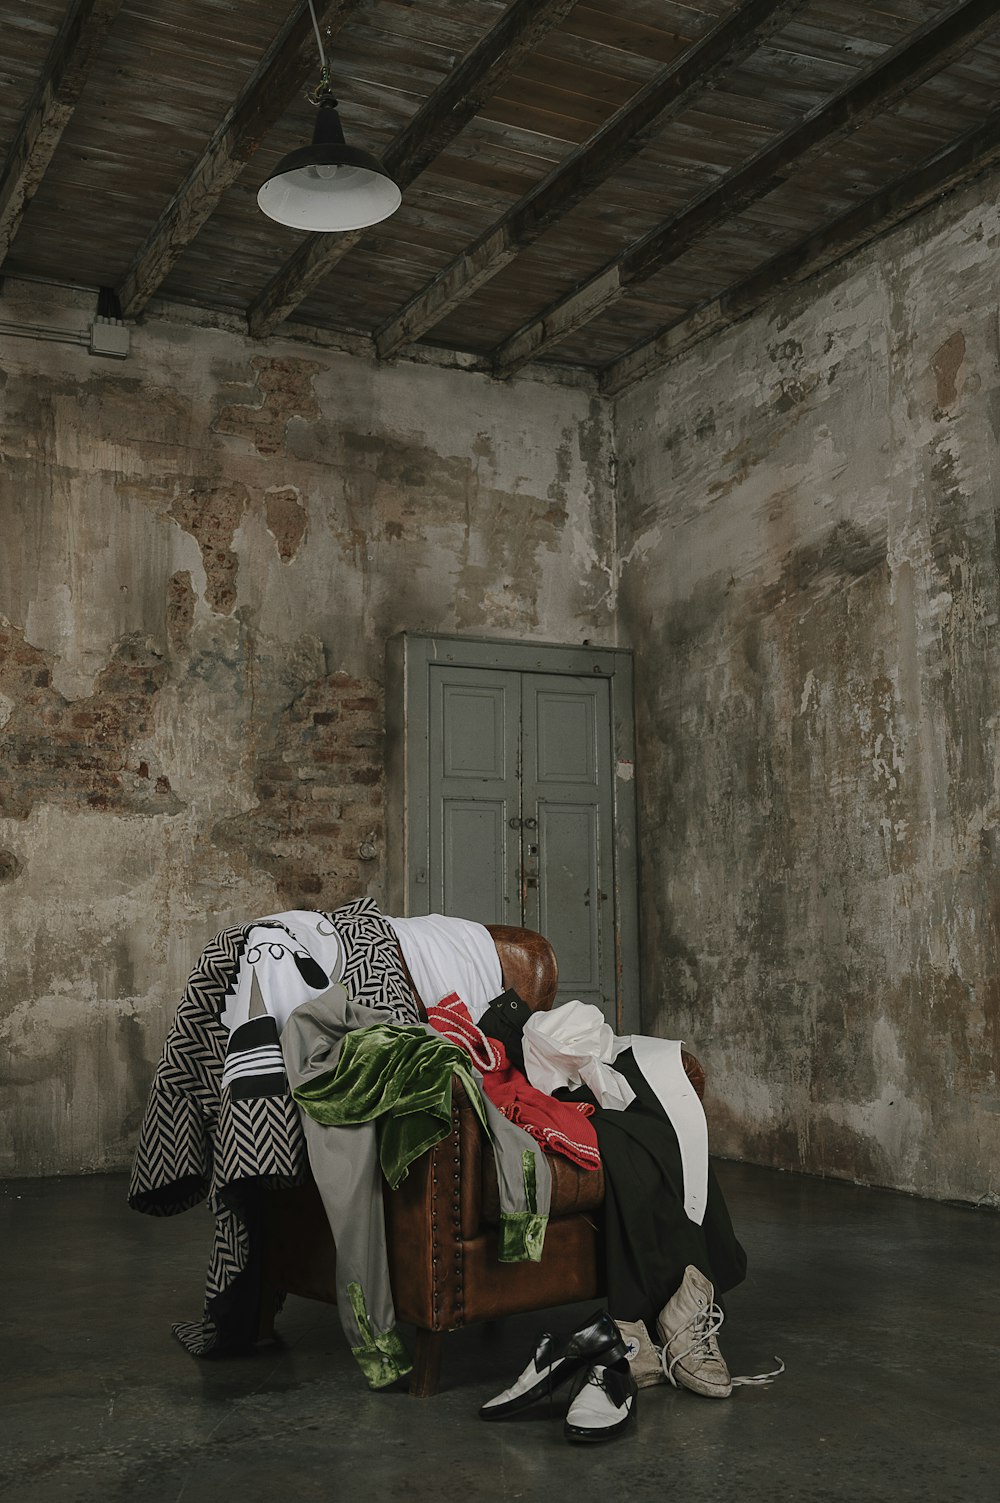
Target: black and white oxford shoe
[[555, 1361], [601, 1403]]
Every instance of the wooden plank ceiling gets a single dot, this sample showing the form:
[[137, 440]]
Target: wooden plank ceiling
[[590, 184]]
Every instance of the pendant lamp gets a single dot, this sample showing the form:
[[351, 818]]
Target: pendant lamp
[[329, 185]]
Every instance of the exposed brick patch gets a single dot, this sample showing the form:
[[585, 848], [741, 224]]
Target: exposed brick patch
[[212, 517], [286, 391], [78, 754], [287, 521], [319, 790], [180, 609]]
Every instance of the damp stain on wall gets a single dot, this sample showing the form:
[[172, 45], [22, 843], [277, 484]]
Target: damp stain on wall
[[811, 584]]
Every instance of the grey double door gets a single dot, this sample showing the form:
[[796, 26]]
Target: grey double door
[[521, 827]]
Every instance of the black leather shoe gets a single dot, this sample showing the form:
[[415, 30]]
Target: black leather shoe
[[601, 1403], [556, 1360]]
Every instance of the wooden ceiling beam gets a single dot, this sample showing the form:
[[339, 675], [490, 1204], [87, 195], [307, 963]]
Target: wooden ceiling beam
[[971, 154], [50, 109], [285, 68], [444, 113], [932, 48], [623, 137]]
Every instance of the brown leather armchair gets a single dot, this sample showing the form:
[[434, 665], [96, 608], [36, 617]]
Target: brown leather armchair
[[442, 1223]]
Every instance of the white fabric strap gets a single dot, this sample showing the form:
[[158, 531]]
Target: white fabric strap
[[661, 1064], [450, 955]]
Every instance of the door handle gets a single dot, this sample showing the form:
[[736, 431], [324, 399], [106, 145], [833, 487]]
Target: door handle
[[514, 822], [531, 824]]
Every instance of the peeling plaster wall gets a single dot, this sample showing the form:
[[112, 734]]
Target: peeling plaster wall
[[808, 528], [204, 551]]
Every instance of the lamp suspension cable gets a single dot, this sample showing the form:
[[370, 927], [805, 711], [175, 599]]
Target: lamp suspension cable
[[323, 87]]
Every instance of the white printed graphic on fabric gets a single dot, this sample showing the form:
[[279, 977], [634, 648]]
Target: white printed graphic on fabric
[[263, 1061], [286, 952]]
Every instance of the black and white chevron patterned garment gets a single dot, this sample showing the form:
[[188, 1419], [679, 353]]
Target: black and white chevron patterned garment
[[198, 1140]]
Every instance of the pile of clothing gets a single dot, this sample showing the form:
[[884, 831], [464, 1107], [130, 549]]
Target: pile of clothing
[[299, 1043]]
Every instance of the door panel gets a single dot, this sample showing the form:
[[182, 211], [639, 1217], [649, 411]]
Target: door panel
[[567, 881], [567, 736], [474, 859], [473, 722], [566, 790], [474, 734]]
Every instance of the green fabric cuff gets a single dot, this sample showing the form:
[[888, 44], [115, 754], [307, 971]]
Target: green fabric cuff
[[522, 1236], [383, 1357]]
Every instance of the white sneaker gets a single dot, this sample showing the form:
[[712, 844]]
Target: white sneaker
[[602, 1402], [643, 1356], [687, 1325]]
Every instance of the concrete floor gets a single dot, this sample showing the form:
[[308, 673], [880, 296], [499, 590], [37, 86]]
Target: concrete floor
[[885, 1309]]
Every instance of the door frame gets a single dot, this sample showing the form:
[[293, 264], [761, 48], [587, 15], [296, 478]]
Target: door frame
[[409, 656]]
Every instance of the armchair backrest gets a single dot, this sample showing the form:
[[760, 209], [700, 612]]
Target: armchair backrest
[[528, 963]]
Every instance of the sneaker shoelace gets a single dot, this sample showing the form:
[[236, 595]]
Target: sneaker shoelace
[[706, 1322]]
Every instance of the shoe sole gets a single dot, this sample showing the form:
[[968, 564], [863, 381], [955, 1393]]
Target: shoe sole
[[577, 1435], [704, 1391]]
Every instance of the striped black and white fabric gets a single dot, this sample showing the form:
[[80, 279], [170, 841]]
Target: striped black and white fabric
[[220, 1119], [254, 1066]]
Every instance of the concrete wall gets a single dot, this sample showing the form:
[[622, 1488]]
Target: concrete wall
[[204, 550], [808, 530]]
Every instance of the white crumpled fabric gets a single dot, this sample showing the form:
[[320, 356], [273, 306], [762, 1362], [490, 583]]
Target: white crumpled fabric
[[573, 1044], [450, 955]]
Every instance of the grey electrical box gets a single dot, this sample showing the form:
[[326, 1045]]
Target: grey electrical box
[[109, 336]]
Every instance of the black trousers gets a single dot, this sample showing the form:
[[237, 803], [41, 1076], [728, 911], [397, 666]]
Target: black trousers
[[649, 1239]]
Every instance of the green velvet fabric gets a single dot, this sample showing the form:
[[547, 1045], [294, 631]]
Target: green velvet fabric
[[522, 1237], [399, 1076], [383, 1358], [522, 1233]]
